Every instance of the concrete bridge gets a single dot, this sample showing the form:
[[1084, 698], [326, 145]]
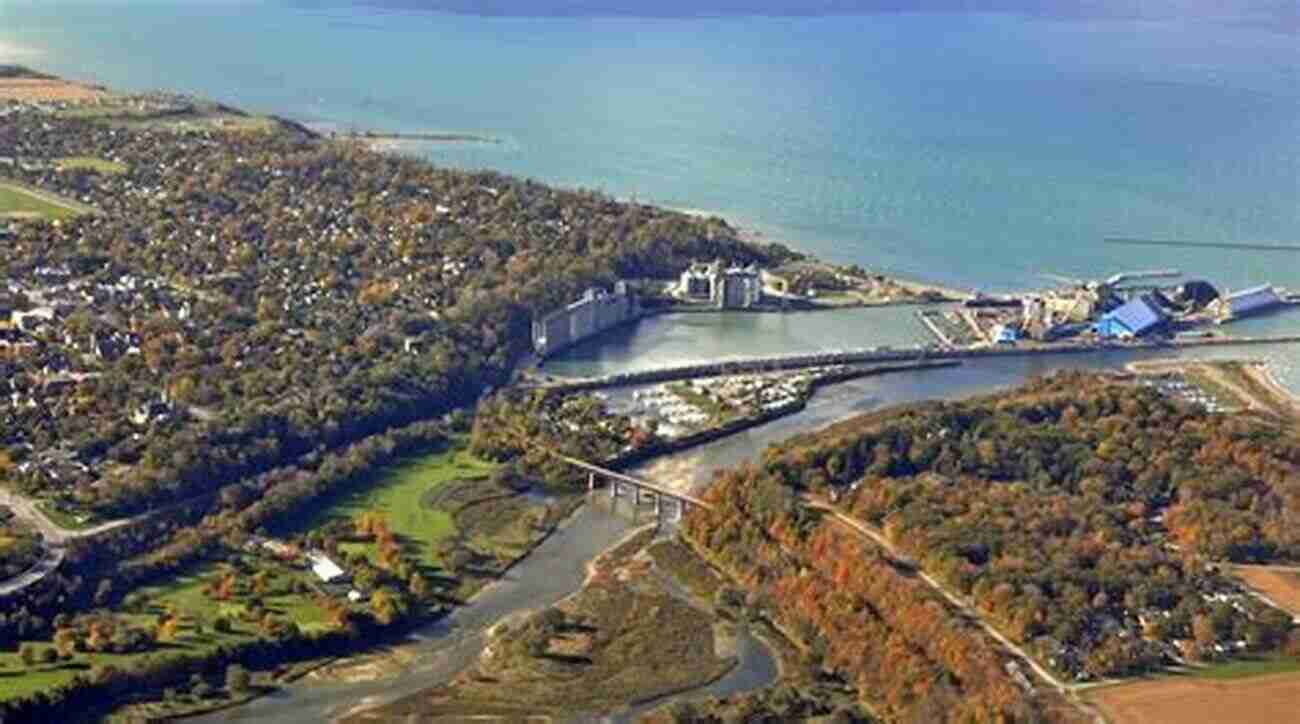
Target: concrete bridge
[[668, 503]]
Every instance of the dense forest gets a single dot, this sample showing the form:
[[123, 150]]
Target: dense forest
[[1079, 513], [862, 619]]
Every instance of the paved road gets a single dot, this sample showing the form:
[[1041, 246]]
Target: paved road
[[48, 197], [962, 606], [56, 539]]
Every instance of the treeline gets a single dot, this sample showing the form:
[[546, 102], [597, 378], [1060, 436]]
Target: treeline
[[94, 694], [866, 622], [1231, 485], [1077, 512], [524, 426]]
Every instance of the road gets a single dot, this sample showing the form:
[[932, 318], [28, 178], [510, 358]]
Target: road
[[56, 539], [48, 197], [962, 606]]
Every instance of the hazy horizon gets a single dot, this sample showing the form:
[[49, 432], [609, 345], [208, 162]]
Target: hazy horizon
[[1279, 15]]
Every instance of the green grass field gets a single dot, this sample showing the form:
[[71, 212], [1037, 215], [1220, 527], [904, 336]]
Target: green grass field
[[88, 163], [14, 200], [398, 493], [196, 634], [1254, 666]]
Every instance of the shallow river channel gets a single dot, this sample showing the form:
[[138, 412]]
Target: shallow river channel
[[558, 566]]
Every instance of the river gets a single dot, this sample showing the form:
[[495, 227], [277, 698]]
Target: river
[[558, 566]]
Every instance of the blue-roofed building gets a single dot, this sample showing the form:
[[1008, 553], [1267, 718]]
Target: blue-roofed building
[[1135, 318], [1005, 334]]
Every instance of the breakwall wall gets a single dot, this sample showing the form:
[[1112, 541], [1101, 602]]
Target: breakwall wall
[[919, 357]]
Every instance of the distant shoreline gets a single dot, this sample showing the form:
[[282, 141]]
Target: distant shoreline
[[750, 235], [399, 136]]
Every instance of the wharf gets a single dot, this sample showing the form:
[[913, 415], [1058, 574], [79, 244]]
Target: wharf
[[890, 360], [927, 319]]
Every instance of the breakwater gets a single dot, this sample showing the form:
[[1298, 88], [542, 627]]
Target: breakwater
[[685, 442], [904, 363], [914, 357]]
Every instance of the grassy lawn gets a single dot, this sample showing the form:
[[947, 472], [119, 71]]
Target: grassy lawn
[[196, 633], [186, 594], [18, 680], [1254, 666], [14, 200], [62, 518], [89, 163], [399, 493]]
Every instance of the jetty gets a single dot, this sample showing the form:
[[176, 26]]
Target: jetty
[[1242, 246], [888, 359]]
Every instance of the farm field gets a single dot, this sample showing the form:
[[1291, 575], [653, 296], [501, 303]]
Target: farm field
[[1280, 585], [1253, 700], [401, 494]]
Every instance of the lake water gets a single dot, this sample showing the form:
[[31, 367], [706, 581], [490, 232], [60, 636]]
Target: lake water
[[978, 150], [984, 151], [981, 151]]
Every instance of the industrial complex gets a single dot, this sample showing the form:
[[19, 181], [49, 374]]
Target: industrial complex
[[721, 286], [1122, 307], [596, 311]]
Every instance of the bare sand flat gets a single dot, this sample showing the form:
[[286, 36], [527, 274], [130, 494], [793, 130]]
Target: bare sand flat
[[1257, 700], [1280, 585]]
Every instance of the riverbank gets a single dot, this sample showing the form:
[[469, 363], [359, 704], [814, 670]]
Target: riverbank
[[591, 652]]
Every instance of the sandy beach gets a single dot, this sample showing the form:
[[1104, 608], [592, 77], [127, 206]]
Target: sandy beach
[[1265, 377], [751, 235]]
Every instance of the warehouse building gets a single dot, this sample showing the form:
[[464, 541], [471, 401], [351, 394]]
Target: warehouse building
[[1246, 302], [1135, 318]]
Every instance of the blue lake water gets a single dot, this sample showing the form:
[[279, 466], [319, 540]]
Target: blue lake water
[[979, 150]]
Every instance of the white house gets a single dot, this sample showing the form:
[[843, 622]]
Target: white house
[[324, 568]]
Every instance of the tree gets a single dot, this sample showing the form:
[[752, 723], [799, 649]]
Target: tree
[[65, 640], [260, 582], [418, 586], [384, 606], [238, 679], [166, 629]]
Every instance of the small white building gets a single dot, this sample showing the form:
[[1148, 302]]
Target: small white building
[[325, 568]]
